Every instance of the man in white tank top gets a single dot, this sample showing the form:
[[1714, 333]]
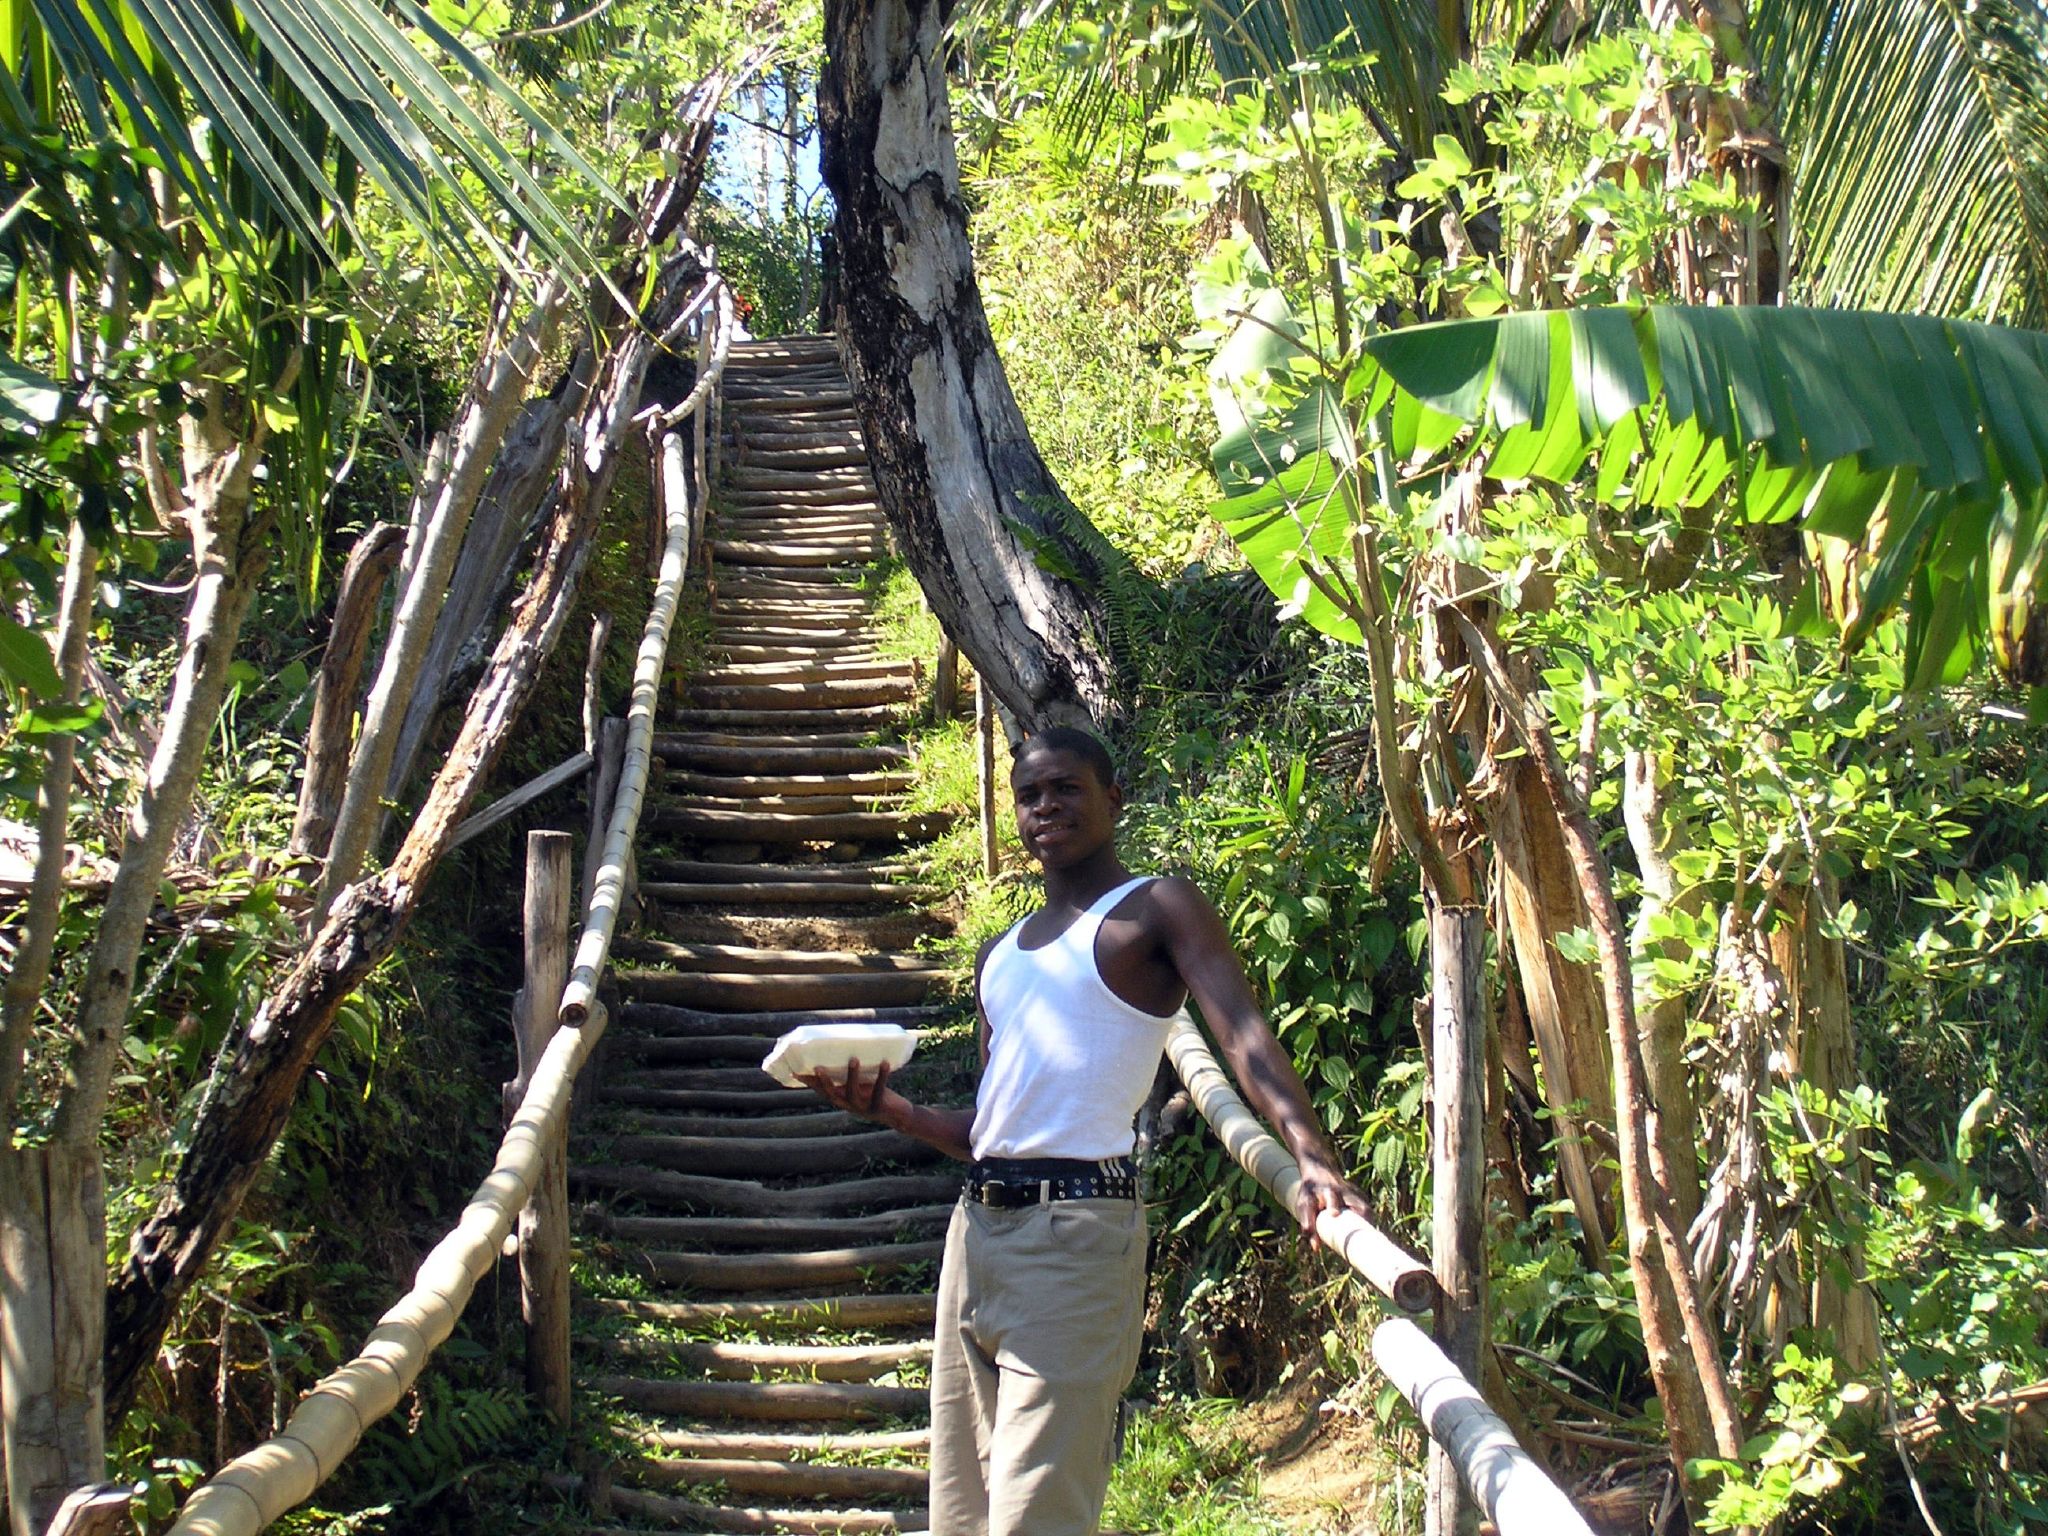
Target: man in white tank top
[[1041, 1293]]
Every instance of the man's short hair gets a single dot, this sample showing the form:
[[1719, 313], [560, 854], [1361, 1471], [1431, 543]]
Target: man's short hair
[[1083, 744]]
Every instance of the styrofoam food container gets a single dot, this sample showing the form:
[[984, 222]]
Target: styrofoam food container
[[811, 1047]]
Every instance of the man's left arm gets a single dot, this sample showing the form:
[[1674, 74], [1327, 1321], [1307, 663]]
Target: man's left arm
[[1194, 935]]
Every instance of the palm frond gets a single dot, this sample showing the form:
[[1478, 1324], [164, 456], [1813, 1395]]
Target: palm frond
[[296, 95], [1919, 134]]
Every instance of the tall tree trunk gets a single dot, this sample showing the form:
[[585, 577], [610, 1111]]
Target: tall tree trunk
[[24, 990], [1541, 898], [1655, 833], [985, 527], [1822, 1051], [251, 1096], [230, 551]]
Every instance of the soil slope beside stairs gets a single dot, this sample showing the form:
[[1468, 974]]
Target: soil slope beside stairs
[[756, 1292]]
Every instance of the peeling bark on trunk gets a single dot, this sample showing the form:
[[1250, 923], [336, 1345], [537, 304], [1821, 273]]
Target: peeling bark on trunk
[[1540, 894], [254, 1087], [976, 512], [1823, 1052], [230, 552], [331, 730]]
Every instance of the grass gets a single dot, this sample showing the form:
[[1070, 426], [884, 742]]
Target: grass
[[1170, 1481]]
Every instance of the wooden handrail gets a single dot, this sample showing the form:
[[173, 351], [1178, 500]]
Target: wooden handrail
[[1511, 1485], [329, 1422], [1394, 1272]]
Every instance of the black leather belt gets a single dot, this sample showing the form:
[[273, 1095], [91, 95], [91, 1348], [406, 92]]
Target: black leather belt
[[1007, 1183]]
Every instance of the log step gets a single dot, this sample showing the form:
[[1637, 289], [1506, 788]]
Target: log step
[[875, 926], [868, 719], [772, 893], [782, 1447], [794, 805], [771, 1156], [774, 1271], [735, 1100], [784, 1479], [797, 670], [686, 1021], [761, 1522], [808, 741], [823, 1122], [801, 555], [771, 1231], [745, 1197], [738, 989], [795, 786], [825, 693], [796, 827], [781, 1400], [743, 958], [908, 1309], [808, 1362], [762, 757]]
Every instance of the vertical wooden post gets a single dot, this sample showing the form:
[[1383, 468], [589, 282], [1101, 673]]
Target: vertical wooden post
[[985, 761], [604, 788], [544, 1224], [53, 1263], [1457, 948], [946, 681]]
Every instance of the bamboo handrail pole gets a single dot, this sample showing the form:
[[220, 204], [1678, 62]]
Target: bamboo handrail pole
[[709, 378], [1509, 1484], [1392, 1271], [608, 892], [329, 1421]]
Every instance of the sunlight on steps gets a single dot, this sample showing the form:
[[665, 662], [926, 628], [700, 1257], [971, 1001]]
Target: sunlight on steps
[[756, 1301]]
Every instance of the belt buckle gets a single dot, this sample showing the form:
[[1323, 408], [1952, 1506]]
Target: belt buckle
[[994, 1193]]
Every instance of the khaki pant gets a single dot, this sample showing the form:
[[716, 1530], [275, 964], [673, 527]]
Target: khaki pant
[[1040, 1314]]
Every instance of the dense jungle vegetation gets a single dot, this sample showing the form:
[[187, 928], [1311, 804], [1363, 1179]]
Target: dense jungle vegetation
[[1800, 700]]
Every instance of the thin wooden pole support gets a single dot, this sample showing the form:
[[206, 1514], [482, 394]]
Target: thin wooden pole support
[[1457, 947], [985, 763], [604, 789], [53, 1267], [544, 1223], [946, 680]]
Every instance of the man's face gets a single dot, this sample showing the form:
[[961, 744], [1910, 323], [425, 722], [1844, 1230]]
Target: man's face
[[1064, 812]]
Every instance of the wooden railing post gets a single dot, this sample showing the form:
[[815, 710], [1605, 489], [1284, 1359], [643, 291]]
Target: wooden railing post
[[1458, 1249], [53, 1264], [985, 763], [946, 681], [544, 1223]]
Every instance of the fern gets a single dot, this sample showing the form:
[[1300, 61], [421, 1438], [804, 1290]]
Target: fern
[[453, 1431]]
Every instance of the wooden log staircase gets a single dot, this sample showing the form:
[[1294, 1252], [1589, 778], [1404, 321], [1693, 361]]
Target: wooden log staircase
[[759, 1269]]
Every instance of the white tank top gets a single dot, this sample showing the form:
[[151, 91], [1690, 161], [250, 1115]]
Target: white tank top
[[1069, 1061]]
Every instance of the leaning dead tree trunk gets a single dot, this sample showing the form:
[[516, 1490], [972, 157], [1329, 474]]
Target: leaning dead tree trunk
[[968, 495], [253, 1090], [329, 734]]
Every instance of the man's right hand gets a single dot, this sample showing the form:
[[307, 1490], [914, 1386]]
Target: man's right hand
[[859, 1093]]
